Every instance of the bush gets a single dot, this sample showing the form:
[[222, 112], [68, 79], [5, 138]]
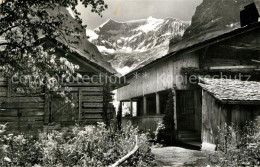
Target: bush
[[239, 147], [165, 132], [82, 146]]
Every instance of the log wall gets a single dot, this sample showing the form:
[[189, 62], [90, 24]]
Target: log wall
[[29, 113], [19, 112]]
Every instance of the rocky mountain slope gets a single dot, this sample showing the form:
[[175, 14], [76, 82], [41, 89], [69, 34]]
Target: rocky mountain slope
[[212, 18], [129, 45]]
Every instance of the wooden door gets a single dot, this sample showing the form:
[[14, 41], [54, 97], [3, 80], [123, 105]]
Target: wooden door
[[88, 106], [64, 113], [185, 110]]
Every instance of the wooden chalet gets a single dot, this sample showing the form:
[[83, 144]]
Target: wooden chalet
[[235, 54], [29, 113]]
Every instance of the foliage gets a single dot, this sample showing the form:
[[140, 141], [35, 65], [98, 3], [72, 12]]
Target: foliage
[[238, 147], [24, 23], [165, 132], [83, 146]]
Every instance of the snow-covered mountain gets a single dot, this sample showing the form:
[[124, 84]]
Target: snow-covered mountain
[[129, 45]]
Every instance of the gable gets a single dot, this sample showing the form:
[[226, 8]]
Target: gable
[[85, 65]]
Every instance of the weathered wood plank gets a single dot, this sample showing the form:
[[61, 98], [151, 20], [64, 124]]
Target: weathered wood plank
[[83, 84], [46, 108], [21, 99], [92, 105], [8, 113], [93, 116], [232, 67], [22, 105], [3, 83], [3, 89], [91, 111], [2, 79], [92, 99], [13, 94], [91, 120], [3, 94], [92, 93], [90, 89], [83, 89]]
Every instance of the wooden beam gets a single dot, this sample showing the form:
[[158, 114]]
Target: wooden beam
[[256, 61], [248, 102], [157, 103], [241, 47], [80, 104], [145, 105], [131, 107], [175, 109], [46, 108], [232, 67], [197, 71]]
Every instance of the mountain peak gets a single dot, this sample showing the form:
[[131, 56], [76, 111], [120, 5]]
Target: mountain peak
[[151, 18], [109, 21], [130, 44]]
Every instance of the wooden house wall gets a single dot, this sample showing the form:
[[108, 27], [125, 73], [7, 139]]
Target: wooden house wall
[[238, 51], [213, 116], [216, 115], [198, 109], [29, 113], [19, 112], [162, 76]]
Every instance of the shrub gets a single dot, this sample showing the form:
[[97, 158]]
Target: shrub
[[165, 132], [20, 150], [82, 146], [239, 147]]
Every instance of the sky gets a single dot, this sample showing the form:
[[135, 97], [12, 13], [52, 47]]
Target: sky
[[126, 10]]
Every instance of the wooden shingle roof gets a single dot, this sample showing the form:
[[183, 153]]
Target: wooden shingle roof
[[232, 91]]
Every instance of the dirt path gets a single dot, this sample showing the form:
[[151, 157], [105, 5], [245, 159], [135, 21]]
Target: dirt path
[[177, 156]]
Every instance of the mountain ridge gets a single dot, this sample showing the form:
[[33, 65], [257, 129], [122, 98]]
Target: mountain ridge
[[130, 44]]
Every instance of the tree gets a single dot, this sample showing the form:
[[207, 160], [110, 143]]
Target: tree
[[24, 22], [166, 132]]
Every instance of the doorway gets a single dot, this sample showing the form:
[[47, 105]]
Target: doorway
[[185, 110]]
